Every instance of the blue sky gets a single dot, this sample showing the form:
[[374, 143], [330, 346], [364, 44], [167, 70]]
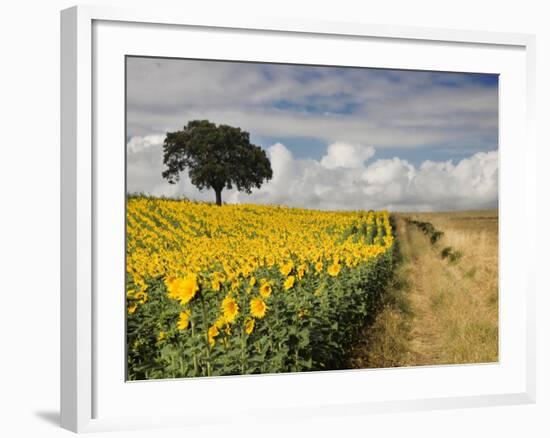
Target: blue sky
[[330, 120], [314, 147]]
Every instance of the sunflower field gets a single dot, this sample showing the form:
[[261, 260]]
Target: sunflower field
[[241, 289]]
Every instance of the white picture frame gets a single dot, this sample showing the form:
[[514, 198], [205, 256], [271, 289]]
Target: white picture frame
[[83, 374]]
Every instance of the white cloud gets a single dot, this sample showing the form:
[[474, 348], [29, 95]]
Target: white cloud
[[394, 184], [351, 184], [346, 155], [383, 172], [137, 144], [469, 184], [475, 178]]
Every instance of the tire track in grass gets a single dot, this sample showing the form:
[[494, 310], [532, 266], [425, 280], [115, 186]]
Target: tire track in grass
[[423, 275]]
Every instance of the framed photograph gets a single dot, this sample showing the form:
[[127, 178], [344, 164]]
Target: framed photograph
[[265, 219]]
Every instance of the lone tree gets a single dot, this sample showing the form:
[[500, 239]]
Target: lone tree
[[217, 157]]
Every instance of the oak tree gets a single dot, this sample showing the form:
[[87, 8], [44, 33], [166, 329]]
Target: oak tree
[[216, 157]]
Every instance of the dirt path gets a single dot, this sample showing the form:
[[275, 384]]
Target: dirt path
[[426, 274], [415, 251], [434, 312]]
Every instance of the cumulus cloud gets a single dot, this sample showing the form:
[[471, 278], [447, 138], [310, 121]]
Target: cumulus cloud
[[393, 184], [469, 184], [137, 144], [350, 181], [346, 155]]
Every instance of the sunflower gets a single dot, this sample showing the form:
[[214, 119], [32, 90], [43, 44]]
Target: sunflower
[[212, 333], [319, 266], [257, 307], [220, 276], [249, 325], [182, 289], [230, 308], [265, 289], [289, 282], [141, 297], [132, 308], [270, 260], [334, 269], [220, 322], [287, 268], [252, 281], [183, 322]]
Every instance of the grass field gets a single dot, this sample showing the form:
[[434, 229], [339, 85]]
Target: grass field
[[439, 310]]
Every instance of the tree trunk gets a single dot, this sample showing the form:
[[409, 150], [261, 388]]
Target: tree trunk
[[218, 196]]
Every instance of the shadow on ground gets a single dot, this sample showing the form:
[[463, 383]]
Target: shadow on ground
[[51, 417]]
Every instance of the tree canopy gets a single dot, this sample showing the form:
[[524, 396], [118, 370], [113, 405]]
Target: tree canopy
[[216, 156]]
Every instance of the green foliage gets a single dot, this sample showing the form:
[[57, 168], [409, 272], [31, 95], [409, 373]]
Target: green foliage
[[309, 327], [216, 156], [427, 228], [436, 235], [455, 256], [452, 255]]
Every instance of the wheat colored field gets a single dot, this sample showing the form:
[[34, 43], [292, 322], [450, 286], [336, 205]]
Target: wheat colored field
[[438, 310]]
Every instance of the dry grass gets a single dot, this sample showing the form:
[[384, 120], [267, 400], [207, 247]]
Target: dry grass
[[440, 312], [387, 340]]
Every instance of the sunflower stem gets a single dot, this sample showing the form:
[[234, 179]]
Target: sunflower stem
[[243, 338], [195, 362], [243, 358], [204, 317]]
